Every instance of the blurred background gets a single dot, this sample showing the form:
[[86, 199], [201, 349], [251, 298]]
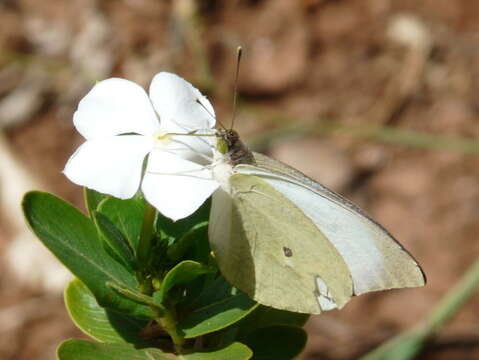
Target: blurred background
[[377, 99]]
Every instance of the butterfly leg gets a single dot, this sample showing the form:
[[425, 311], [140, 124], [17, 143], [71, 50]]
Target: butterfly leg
[[203, 156], [191, 132]]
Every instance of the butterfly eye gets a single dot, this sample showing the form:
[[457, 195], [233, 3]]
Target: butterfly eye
[[222, 145]]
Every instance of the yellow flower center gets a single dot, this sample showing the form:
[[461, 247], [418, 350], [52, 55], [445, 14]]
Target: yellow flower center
[[162, 138]]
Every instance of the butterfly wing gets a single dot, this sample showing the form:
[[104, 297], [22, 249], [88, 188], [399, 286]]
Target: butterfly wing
[[375, 259], [268, 248]]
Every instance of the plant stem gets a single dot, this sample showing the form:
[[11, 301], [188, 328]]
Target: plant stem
[[286, 128], [454, 299], [168, 323], [167, 319], [146, 235], [408, 344]]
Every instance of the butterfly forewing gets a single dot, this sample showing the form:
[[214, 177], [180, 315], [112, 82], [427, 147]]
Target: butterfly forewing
[[374, 258]]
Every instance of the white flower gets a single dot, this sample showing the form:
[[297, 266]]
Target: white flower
[[122, 125]]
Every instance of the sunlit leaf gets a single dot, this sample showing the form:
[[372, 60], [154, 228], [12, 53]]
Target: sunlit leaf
[[182, 273], [216, 315], [100, 323], [86, 350], [74, 240]]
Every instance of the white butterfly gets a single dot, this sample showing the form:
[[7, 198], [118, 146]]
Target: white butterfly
[[291, 243]]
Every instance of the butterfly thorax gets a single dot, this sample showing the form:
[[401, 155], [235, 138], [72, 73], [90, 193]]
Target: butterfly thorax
[[231, 146]]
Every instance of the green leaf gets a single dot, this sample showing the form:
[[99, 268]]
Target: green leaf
[[193, 245], [127, 215], [74, 240], [201, 252], [181, 274], [261, 317], [86, 350], [216, 316], [92, 199], [276, 342], [264, 316], [115, 240], [216, 290], [234, 351], [100, 323]]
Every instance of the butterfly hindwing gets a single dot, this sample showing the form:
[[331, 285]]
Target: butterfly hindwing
[[267, 247]]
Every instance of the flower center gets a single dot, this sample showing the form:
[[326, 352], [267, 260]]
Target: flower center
[[162, 138]]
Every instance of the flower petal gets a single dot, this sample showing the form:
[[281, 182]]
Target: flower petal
[[115, 106], [181, 106], [110, 165], [195, 148], [176, 187]]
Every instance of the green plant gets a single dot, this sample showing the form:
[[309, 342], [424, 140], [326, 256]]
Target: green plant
[[148, 288]]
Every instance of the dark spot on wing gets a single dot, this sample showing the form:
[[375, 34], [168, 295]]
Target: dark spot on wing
[[287, 251]]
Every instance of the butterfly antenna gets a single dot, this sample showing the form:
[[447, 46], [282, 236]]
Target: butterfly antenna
[[239, 52]]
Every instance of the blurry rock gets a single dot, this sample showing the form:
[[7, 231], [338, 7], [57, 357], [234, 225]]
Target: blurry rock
[[15, 180], [185, 9], [21, 104], [33, 265], [27, 260], [336, 22], [92, 54], [141, 69], [319, 159], [408, 30], [146, 7], [92, 50], [406, 178], [276, 52], [10, 77], [51, 38], [453, 115], [370, 157]]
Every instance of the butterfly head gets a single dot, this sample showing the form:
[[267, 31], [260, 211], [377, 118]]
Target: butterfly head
[[230, 145], [226, 140]]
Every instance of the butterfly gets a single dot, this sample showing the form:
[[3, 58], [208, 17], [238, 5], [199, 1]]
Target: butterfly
[[291, 243]]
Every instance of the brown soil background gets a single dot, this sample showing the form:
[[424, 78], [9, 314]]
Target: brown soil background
[[355, 64]]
